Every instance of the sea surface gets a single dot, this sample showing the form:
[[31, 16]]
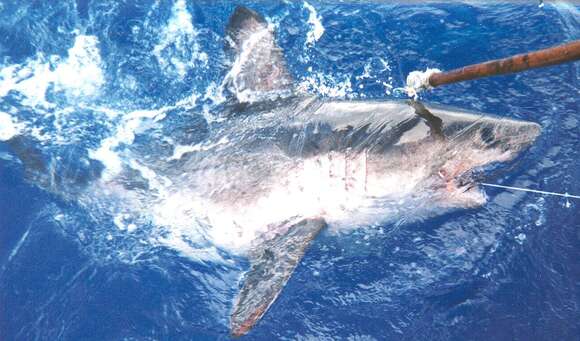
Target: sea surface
[[90, 89]]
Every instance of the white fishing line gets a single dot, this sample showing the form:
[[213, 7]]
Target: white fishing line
[[566, 195]]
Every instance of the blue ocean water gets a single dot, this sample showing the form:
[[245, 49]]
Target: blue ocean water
[[87, 88]]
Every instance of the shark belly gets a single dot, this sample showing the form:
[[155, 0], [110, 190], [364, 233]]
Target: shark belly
[[341, 187]]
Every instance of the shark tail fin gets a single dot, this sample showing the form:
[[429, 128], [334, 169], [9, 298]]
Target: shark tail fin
[[259, 65], [271, 267]]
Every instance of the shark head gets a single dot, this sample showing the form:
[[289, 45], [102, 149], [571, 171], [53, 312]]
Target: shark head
[[472, 146]]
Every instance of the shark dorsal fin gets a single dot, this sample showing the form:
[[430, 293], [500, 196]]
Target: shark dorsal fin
[[271, 267], [259, 67]]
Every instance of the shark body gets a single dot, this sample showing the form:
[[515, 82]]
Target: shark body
[[300, 164], [292, 165], [341, 165]]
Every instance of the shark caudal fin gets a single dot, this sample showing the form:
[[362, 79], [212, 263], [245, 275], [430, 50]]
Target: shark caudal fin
[[271, 267], [259, 66]]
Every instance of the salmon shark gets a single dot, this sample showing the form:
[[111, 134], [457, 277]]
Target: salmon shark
[[289, 165], [297, 164]]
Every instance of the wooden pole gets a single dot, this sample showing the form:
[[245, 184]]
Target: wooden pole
[[521, 62]]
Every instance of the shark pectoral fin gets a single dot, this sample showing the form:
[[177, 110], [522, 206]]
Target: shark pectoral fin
[[259, 64], [271, 267]]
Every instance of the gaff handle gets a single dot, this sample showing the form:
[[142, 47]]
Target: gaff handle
[[521, 62]]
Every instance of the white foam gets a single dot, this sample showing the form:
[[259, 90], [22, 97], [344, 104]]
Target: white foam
[[31, 79], [132, 123], [369, 74], [181, 150], [215, 93], [125, 134], [79, 74], [520, 238], [188, 102], [119, 221], [6, 157], [366, 72], [180, 244], [157, 182], [326, 86], [8, 127], [316, 28], [178, 50], [7, 80], [123, 222]]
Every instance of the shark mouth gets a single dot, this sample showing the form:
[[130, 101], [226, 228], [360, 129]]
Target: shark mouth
[[465, 181], [470, 179], [461, 187], [456, 178], [462, 179]]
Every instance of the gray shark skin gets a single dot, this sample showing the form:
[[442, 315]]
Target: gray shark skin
[[296, 165]]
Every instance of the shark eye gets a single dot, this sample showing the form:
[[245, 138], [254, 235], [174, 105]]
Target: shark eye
[[487, 135]]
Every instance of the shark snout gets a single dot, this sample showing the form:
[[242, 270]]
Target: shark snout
[[510, 136], [482, 153]]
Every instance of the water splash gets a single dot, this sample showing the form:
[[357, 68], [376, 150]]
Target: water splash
[[78, 75], [8, 127], [326, 86], [316, 28], [125, 134], [178, 50]]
